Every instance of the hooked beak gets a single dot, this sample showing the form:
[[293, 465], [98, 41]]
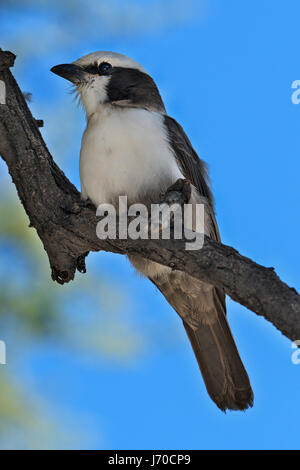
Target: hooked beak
[[72, 72]]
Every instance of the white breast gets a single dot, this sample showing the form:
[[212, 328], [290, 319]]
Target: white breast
[[125, 152]]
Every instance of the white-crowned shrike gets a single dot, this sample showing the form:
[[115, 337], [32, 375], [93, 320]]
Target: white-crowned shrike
[[132, 147]]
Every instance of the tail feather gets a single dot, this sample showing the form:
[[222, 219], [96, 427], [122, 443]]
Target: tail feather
[[225, 377], [203, 312]]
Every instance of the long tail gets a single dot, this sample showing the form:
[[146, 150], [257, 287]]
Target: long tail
[[225, 377], [203, 311]]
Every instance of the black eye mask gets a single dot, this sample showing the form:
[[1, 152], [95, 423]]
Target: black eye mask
[[134, 88], [102, 69]]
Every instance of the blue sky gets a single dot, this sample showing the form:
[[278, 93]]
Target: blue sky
[[225, 72]]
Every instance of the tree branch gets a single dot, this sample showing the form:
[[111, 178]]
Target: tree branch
[[67, 226]]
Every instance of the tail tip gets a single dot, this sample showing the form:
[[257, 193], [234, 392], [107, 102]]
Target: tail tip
[[241, 401]]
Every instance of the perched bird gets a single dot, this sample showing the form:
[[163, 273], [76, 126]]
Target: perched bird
[[132, 147]]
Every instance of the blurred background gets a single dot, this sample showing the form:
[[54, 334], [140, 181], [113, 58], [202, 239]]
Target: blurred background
[[103, 363]]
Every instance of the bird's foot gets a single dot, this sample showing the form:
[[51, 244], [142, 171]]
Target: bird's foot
[[178, 193]]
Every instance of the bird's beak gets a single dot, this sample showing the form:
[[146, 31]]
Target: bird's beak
[[72, 72]]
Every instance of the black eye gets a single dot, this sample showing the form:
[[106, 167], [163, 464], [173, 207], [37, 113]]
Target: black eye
[[104, 68]]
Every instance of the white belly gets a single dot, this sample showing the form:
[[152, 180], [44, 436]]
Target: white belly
[[125, 152]]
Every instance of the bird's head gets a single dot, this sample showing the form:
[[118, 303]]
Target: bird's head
[[104, 78]]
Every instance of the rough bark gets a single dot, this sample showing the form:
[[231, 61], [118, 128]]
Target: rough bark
[[67, 226]]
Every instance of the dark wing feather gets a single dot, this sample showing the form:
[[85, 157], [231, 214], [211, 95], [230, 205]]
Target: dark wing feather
[[193, 168]]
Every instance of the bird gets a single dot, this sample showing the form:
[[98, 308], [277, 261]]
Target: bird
[[132, 147]]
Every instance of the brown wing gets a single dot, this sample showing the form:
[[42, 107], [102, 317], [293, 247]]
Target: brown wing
[[193, 168]]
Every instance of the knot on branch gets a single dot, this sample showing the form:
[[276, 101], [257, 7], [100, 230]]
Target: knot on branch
[[65, 268], [7, 59]]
